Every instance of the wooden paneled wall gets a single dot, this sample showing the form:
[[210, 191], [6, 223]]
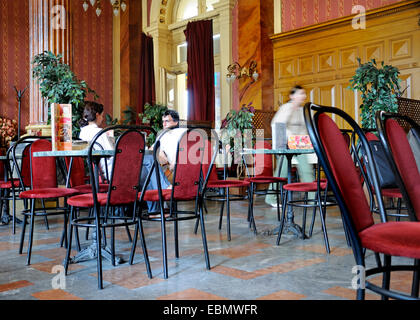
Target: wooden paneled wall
[[323, 58]]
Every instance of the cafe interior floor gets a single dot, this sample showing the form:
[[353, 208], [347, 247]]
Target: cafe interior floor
[[249, 267]]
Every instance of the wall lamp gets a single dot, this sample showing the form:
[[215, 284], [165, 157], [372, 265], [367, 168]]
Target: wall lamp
[[236, 71]]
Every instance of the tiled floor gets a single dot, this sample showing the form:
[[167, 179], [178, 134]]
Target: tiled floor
[[249, 267]]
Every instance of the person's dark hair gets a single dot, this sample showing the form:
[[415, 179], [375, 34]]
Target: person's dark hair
[[89, 112], [173, 113], [295, 89]]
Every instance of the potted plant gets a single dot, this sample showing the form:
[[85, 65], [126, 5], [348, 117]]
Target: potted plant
[[153, 116], [233, 131], [58, 84], [380, 88]]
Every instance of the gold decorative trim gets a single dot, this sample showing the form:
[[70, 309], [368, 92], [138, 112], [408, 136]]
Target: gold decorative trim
[[374, 13]]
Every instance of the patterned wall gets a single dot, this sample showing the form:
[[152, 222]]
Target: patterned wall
[[301, 13], [92, 54], [14, 57], [92, 50]]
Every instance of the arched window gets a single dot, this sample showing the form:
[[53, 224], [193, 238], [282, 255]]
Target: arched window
[[192, 8], [176, 85]]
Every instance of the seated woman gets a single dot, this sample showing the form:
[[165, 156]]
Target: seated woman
[[93, 116], [90, 126]]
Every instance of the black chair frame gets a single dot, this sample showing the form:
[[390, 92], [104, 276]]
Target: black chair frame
[[358, 251]]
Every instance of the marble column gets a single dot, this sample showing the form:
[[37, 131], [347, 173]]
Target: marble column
[[225, 9], [49, 29]]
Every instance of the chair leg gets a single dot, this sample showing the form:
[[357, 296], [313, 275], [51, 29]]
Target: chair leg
[[67, 259], [31, 233], [98, 251], [281, 225], [175, 231], [386, 275], [221, 215], [77, 233], [228, 214], [14, 212], [251, 208], [305, 201], [416, 279], [164, 248], [113, 246], [322, 214], [45, 217], [278, 198], [203, 235], [22, 236]]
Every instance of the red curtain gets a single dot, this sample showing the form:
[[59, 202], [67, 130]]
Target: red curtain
[[147, 74], [200, 78]]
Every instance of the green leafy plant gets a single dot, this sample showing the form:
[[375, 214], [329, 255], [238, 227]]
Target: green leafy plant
[[233, 131], [129, 116], [58, 84], [235, 124], [152, 115], [380, 88]]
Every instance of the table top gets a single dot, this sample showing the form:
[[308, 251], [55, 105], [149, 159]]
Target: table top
[[73, 153], [78, 153], [277, 151]]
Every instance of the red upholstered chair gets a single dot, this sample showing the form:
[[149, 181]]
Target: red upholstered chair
[[9, 189], [319, 188], [261, 173], [223, 185], [189, 180], [401, 157], [387, 192], [385, 238], [43, 186], [124, 186]]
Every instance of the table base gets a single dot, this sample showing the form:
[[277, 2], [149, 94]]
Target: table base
[[289, 227], [91, 253]]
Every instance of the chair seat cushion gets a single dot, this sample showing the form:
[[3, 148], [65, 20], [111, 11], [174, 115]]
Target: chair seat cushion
[[393, 238], [227, 184], [8, 184], [46, 193], [266, 179], [86, 200], [304, 186], [391, 193], [153, 195], [87, 188]]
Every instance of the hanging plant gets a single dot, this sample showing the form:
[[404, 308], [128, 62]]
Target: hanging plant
[[380, 88]]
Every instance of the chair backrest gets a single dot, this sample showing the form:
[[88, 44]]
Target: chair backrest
[[188, 165], [401, 158], [43, 169], [124, 184], [334, 155], [77, 175], [263, 163], [209, 154]]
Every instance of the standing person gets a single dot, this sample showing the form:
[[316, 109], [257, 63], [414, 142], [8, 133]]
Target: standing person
[[291, 113], [90, 124]]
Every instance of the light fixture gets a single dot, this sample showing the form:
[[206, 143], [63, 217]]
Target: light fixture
[[116, 6], [236, 71]]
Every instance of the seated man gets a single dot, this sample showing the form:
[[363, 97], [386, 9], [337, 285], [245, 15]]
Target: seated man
[[167, 154], [169, 142]]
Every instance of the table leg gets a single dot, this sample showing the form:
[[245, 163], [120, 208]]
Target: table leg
[[290, 226]]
